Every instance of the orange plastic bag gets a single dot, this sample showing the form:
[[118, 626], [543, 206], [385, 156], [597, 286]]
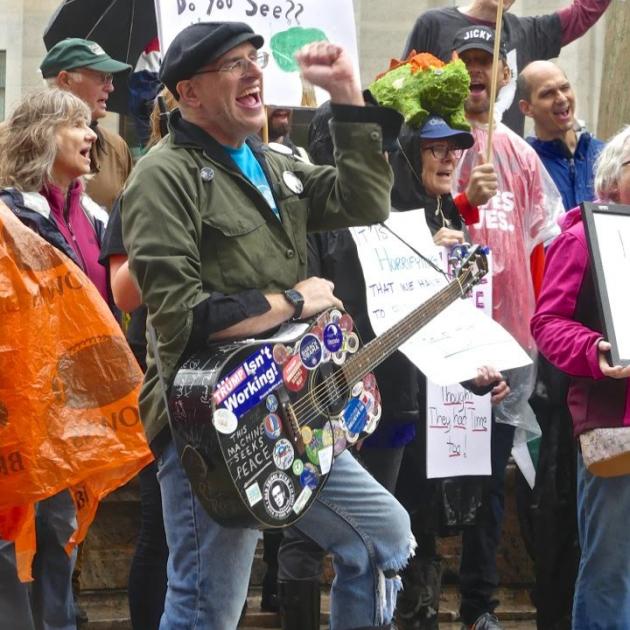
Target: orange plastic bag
[[68, 389]]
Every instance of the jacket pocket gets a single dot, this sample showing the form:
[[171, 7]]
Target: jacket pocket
[[237, 246]]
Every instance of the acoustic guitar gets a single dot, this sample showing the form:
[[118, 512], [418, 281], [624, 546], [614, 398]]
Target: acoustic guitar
[[258, 423]]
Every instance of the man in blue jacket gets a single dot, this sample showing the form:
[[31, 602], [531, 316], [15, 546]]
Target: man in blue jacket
[[567, 150], [568, 153]]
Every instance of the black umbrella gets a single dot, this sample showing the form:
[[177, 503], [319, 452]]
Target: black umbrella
[[123, 28]]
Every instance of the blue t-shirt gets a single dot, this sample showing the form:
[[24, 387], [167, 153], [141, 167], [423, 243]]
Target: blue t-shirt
[[251, 168]]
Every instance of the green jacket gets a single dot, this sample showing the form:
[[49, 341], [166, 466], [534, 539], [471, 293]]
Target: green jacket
[[197, 231]]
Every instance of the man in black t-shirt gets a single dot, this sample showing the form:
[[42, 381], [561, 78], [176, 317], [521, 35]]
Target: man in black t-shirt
[[526, 38]]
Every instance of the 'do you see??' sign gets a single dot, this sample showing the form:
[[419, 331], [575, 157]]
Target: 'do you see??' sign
[[286, 25]]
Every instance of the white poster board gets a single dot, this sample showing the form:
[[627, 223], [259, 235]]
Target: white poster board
[[608, 231], [283, 23], [459, 424], [453, 345]]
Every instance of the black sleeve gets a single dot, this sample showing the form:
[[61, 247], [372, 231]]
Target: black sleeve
[[388, 118], [112, 244], [541, 38], [220, 311], [418, 39], [314, 244]]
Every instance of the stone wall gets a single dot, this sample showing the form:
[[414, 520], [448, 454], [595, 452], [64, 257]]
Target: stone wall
[[614, 105]]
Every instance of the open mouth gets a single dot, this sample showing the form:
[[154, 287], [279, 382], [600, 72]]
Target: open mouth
[[85, 153], [446, 174], [477, 89], [563, 115], [250, 98]]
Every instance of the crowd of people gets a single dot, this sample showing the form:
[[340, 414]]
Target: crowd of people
[[225, 229]]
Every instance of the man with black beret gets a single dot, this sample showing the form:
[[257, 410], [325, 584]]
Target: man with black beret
[[215, 226]]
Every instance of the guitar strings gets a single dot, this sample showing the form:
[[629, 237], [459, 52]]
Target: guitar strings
[[407, 325], [320, 395]]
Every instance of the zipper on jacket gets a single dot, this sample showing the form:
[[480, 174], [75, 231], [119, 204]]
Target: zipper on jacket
[[77, 248]]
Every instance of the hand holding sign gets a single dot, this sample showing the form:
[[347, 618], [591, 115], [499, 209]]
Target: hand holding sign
[[490, 378], [612, 371], [329, 67]]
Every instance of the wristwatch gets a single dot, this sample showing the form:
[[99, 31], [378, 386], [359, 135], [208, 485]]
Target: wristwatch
[[296, 300]]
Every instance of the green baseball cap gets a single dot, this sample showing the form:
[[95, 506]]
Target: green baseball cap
[[73, 52]]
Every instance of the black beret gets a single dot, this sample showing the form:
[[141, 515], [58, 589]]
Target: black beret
[[199, 44]]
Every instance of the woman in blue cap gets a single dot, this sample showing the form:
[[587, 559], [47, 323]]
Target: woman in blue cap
[[423, 162]]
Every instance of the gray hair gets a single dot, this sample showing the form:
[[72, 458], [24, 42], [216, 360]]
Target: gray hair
[[27, 139], [608, 165]]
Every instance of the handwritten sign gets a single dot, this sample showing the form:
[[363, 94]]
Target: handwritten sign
[[286, 25], [458, 432], [458, 428], [454, 344]]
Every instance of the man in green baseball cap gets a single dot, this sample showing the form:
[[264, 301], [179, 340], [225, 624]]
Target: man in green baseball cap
[[82, 67]]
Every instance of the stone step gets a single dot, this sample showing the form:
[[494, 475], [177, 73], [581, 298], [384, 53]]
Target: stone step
[[108, 610], [110, 543]]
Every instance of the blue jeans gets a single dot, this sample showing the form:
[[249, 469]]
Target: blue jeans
[[47, 602], [354, 518], [299, 558], [602, 590], [478, 576]]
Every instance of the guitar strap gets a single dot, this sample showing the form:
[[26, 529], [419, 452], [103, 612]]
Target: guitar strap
[[415, 251]]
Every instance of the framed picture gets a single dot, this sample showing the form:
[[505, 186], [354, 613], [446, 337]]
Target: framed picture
[[607, 229]]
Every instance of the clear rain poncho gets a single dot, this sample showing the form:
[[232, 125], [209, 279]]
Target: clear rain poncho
[[522, 215]]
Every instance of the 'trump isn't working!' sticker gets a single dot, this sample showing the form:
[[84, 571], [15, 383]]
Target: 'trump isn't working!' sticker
[[249, 383]]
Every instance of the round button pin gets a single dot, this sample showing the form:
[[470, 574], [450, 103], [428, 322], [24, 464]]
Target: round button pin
[[207, 174], [298, 467], [307, 435], [293, 182], [280, 148]]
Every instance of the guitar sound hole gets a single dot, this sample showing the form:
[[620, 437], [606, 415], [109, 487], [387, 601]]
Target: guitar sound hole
[[329, 389]]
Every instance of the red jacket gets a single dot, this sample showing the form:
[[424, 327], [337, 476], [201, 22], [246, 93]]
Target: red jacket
[[567, 327]]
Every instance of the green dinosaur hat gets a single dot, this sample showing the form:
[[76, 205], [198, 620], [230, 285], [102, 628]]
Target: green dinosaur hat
[[423, 85]]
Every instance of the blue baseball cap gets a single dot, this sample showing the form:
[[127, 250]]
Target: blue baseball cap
[[435, 128]]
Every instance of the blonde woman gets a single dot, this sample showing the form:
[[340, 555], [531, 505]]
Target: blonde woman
[[45, 147]]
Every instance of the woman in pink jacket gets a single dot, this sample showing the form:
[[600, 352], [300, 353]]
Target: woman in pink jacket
[[568, 330]]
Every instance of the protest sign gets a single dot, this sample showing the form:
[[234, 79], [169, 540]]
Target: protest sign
[[452, 346], [458, 428], [449, 349], [607, 229], [286, 25]]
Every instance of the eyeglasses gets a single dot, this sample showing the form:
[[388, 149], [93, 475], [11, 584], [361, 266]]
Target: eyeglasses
[[440, 151], [240, 67], [102, 78]]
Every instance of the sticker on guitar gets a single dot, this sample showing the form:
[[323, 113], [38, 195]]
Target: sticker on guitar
[[331, 338]]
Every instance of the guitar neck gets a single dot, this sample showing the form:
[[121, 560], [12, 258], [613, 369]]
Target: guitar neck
[[375, 352]]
